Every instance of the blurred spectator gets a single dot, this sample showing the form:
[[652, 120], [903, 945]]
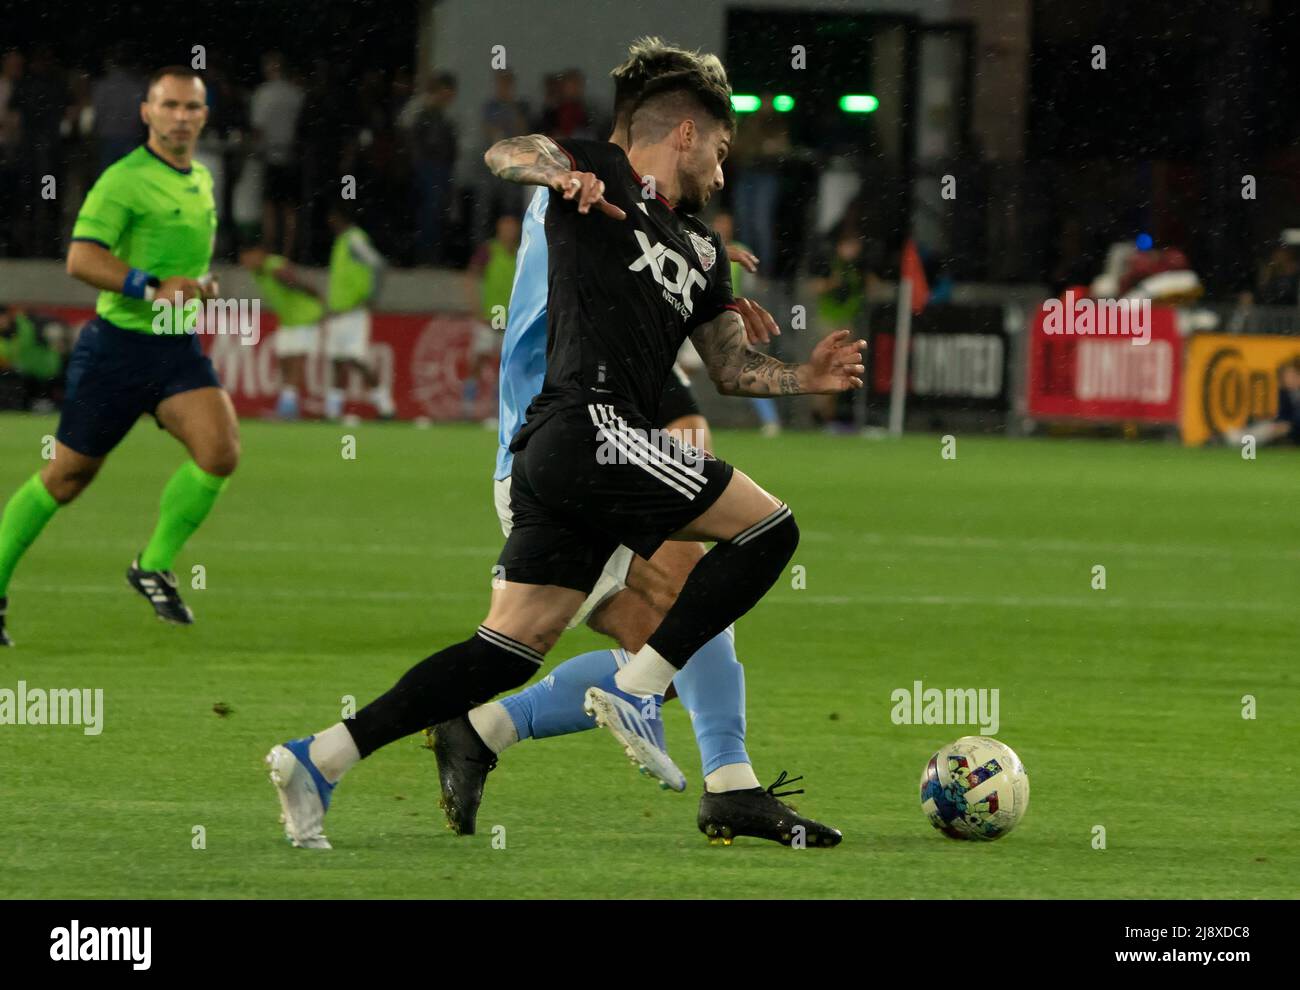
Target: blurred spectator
[[1283, 427], [762, 140], [504, 116], [274, 112], [31, 362], [115, 100], [432, 137], [545, 123], [488, 281], [356, 269], [768, 415], [41, 99], [377, 157], [1286, 425], [80, 154], [566, 114], [327, 126], [297, 304], [13, 176], [1279, 280], [840, 281], [227, 108]]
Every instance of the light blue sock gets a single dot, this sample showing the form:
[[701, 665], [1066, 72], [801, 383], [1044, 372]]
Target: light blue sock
[[766, 409], [553, 706], [712, 687]]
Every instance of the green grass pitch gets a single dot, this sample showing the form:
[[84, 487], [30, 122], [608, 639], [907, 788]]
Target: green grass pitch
[[328, 577]]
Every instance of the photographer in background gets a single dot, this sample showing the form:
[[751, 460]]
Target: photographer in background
[[1284, 427]]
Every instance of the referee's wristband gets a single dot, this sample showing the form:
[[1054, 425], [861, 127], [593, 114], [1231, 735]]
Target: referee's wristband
[[139, 284]]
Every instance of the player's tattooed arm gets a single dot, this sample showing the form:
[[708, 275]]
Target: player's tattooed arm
[[530, 160], [738, 369], [536, 160]]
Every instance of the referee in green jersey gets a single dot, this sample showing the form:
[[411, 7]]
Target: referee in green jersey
[[145, 231]]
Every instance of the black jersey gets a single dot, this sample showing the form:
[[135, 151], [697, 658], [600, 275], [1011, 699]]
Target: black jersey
[[622, 294]]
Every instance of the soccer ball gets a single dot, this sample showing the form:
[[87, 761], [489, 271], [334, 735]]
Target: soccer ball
[[975, 788]]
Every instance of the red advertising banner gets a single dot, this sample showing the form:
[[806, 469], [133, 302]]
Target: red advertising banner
[[424, 358], [1104, 360]]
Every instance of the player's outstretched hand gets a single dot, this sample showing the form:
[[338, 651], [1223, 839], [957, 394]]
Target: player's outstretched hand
[[835, 364], [744, 258], [760, 325], [588, 190]]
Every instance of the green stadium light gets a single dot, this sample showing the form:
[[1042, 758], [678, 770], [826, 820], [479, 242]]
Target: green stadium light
[[859, 103], [745, 102], [783, 103]]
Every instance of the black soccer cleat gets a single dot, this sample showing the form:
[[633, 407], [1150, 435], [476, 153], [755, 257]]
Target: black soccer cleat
[[160, 588], [4, 636], [463, 765], [759, 813]]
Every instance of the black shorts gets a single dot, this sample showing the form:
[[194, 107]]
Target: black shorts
[[677, 399], [591, 478], [282, 184], [116, 375]]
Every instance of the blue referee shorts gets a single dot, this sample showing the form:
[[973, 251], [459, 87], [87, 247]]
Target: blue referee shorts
[[115, 376]]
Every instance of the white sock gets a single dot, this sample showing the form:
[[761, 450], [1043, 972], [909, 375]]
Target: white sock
[[382, 400], [645, 673], [333, 403], [494, 726], [732, 777], [334, 752]]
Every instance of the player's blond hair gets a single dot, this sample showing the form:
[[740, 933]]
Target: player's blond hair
[[649, 58]]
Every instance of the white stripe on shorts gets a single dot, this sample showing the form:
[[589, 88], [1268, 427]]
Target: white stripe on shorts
[[644, 454]]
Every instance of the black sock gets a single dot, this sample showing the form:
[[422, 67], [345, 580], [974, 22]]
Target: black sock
[[728, 581], [442, 686]]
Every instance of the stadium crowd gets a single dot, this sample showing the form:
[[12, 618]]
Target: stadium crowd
[[279, 146]]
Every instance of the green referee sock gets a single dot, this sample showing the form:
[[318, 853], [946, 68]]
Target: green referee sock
[[25, 515], [186, 501]]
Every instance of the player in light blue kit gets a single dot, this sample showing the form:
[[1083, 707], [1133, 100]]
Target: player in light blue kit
[[633, 594]]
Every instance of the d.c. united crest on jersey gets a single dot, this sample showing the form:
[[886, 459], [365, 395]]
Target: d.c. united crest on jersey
[[704, 248]]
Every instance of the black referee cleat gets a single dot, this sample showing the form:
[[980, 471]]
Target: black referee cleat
[[463, 765], [757, 812], [4, 636], [160, 588]]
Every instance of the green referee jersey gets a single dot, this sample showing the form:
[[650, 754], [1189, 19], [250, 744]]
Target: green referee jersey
[[294, 307], [154, 217]]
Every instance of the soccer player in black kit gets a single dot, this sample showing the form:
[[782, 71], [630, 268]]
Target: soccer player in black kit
[[632, 273]]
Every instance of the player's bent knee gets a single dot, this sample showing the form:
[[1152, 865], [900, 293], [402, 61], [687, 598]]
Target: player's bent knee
[[65, 484], [777, 533], [221, 460]]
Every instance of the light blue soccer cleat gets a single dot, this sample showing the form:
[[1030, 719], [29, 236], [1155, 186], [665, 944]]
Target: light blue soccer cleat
[[304, 793], [636, 723]]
